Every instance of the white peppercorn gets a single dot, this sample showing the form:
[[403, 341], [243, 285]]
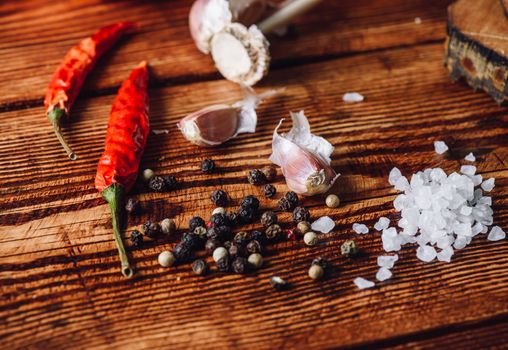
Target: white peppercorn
[[219, 210], [303, 227], [332, 201], [219, 253], [147, 175], [255, 260], [311, 238], [168, 226], [316, 271], [166, 258]]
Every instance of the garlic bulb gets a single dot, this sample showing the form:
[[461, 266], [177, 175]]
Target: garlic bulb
[[208, 17], [303, 157], [241, 54], [214, 125]]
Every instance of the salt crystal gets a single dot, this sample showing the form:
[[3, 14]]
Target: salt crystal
[[466, 210], [470, 157], [360, 228], [383, 274], [382, 223], [426, 253], [485, 200], [352, 97], [496, 233], [387, 261], [362, 283], [468, 170], [324, 224], [440, 147], [401, 184], [394, 175], [445, 254], [460, 242], [488, 185]]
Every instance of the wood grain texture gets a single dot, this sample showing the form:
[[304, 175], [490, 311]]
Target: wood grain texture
[[30, 53], [477, 46], [59, 278]]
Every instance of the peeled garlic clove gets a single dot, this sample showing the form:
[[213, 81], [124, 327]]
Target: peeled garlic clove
[[240, 54], [206, 18], [210, 126], [303, 157], [214, 125]]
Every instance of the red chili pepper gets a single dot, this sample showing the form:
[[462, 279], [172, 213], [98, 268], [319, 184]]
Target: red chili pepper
[[128, 129], [72, 72]]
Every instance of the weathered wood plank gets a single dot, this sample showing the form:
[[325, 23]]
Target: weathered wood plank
[[30, 53], [58, 265]]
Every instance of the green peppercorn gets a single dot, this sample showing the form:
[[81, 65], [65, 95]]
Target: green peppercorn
[[303, 227], [278, 283], [349, 248], [199, 267], [311, 238], [147, 175]]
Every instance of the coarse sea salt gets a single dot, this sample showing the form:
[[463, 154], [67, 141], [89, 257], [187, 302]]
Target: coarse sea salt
[[382, 223], [383, 274], [387, 260], [360, 228], [324, 224], [362, 283], [440, 147], [488, 185], [470, 157], [496, 233], [352, 97]]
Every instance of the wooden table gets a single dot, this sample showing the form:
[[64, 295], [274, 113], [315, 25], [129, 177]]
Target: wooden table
[[59, 272]]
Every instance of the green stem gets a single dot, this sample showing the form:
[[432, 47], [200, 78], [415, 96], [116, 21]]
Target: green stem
[[54, 117], [114, 195]]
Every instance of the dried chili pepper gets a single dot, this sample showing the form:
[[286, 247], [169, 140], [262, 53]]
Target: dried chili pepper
[[72, 72], [128, 129]]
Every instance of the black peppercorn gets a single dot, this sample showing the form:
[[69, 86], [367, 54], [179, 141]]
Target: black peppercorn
[[195, 222], [227, 244], [285, 205], [269, 172], [250, 201], [273, 232], [182, 252], [219, 219], [151, 229], [133, 206], [236, 250], [136, 239], [321, 262], [241, 238], [292, 197], [157, 184], [232, 218], [207, 166], [268, 218], [269, 191], [301, 214], [223, 264], [256, 177], [246, 215], [192, 240], [199, 267], [220, 233], [171, 182], [240, 265], [219, 198], [211, 245], [257, 236], [254, 247]]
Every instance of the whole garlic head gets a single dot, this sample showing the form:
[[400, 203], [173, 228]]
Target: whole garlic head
[[303, 157]]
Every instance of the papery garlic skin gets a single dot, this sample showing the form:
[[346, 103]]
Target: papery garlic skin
[[304, 158]]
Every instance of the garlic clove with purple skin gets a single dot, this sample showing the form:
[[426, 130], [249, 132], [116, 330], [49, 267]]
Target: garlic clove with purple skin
[[303, 157], [207, 17], [214, 125]]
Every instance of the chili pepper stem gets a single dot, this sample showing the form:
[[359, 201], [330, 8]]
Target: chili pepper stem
[[54, 117], [114, 195]]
